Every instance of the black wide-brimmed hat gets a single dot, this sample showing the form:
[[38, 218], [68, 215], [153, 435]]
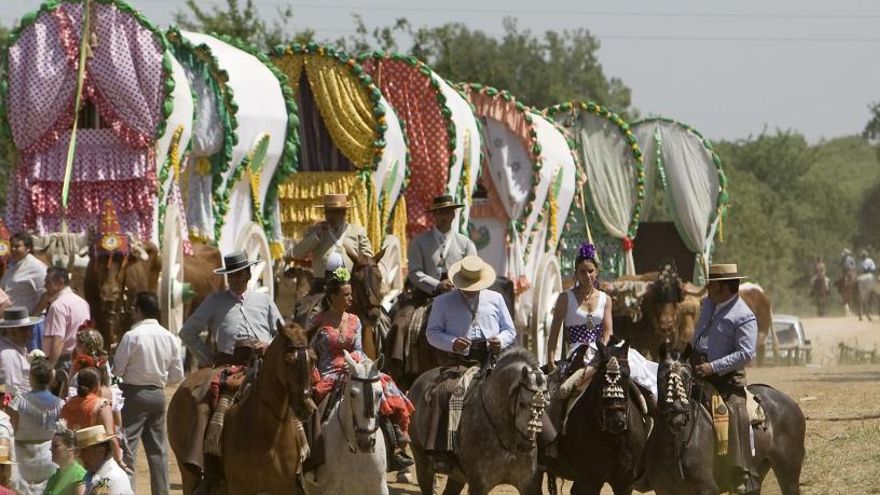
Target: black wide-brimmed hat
[[444, 202], [234, 262], [18, 316]]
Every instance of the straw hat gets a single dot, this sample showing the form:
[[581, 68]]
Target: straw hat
[[91, 436], [472, 274], [444, 202], [335, 202], [5, 456], [18, 316], [234, 262], [727, 271]]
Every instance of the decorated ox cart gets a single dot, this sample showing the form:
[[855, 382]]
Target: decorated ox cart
[[101, 113], [353, 143], [442, 133], [681, 169], [525, 195]]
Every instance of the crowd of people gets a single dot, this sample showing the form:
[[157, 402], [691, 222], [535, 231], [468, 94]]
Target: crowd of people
[[72, 420]]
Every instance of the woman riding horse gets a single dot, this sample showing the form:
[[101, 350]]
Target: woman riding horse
[[334, 331]]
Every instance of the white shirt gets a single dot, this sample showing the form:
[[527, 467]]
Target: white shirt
[[110, 475], [451, 317], [148, 354], [15, 366], [24, 281]]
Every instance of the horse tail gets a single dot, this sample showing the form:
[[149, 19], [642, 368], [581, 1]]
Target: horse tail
[[551, 484]]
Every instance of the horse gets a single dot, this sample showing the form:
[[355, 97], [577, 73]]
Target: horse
[[500, 418], [605, 436], [263, 441], [848, 290], [366, 291], [866, 284], [681, 452], [820, 289], [350, 437]]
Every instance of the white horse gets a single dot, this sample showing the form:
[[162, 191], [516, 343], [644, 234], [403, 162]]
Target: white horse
[[867, 284], [354, 448]]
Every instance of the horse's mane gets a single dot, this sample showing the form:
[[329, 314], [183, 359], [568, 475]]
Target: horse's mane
[[515, 355]]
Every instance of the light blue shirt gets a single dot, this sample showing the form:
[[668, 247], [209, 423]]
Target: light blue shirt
[[728, 336], [451, 318]]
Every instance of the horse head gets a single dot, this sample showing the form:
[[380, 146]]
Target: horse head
[[363, 391], [674, 382], [366, 286], [614, 386], [662, 299], [522, 386], [294, 369]]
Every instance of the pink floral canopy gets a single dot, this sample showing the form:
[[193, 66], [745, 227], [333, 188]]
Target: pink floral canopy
[[127, 80]]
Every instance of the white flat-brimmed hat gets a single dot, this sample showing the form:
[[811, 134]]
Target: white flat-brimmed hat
[[472, 273], [93, 435], [235, 262], [18, 316], [727, 271]]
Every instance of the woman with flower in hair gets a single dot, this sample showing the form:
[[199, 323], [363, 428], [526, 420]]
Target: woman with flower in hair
[[334, 331], [34, 416], [68, 479], [90, 353]]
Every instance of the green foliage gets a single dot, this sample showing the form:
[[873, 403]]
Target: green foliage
[[792, 202], [242, 22]]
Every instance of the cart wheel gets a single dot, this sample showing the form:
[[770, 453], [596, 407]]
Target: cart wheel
[[549, 286], [173, 290], [252, 240]]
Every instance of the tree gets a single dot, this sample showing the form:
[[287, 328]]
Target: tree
[[243, 23]]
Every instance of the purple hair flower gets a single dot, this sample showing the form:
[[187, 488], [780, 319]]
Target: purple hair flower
[[587, 251]]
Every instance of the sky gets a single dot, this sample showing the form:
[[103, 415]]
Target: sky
[[730, 69]]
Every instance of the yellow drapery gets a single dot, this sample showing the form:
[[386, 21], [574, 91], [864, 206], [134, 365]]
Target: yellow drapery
[[303, 192], [343, 101]]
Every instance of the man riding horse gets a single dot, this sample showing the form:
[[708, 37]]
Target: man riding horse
[[333, 235], [433, 252], [724, 343], [240, 323], [468, 324]]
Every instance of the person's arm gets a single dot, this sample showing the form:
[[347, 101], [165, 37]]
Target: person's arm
[[436, 330], [304, 248], [506, 330], [175, 363], [559, 311], [607, 320], [358, 344], [417, 275], [120, 359], [105, 418], [470, 249], [365, 248], [746, 338], [53, 333], [274, 318], [191, 329]]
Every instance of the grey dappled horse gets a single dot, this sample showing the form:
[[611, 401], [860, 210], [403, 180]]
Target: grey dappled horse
[[497, 429], [681, 452]]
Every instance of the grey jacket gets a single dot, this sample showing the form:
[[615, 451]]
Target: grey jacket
[[427, 261]]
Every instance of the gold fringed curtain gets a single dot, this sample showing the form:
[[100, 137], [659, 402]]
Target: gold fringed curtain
[[346, 108], [292, 66], [398, 228], [302, 192]]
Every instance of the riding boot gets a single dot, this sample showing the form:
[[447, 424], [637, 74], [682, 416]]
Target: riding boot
[[211, 479], [214, 436], [194, 456], [402, 442], [396, 458]]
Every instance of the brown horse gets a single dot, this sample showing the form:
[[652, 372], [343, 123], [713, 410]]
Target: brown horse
[[820, 289], [366, 291], [263, 441], [848, 290]]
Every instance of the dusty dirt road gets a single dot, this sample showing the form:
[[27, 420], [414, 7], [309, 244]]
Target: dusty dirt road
[[840, 402]]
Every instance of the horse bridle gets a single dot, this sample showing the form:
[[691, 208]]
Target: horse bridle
[[534, 427], [301, 355], [678, 388], [612, 390], [369, 408]]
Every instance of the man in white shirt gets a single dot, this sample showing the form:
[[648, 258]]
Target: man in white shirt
[[23, 280], [17, 330], [147, 359], [103, 474], [433, 252]]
